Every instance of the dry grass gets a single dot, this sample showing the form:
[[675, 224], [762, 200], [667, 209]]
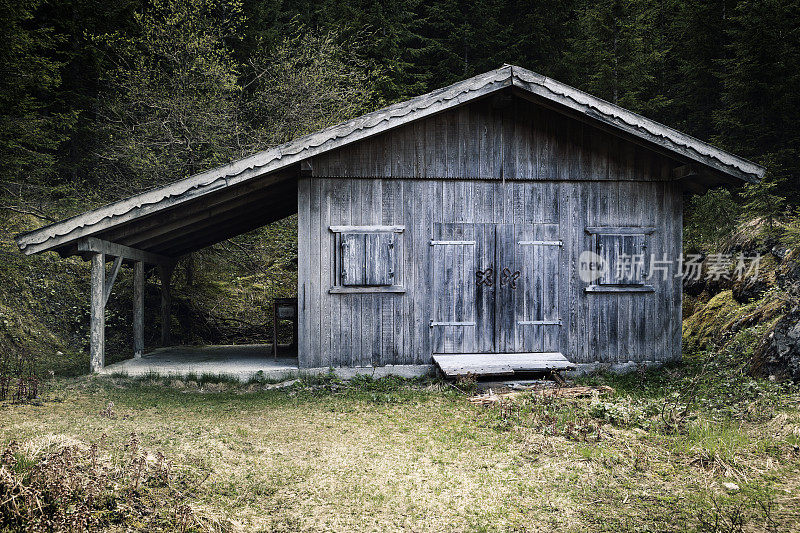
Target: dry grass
[[387, 456]]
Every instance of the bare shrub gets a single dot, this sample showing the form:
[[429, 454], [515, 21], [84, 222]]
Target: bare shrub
[[76, 487], [19, 380]]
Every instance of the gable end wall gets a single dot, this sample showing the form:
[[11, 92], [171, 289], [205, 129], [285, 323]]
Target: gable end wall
[[476, 165]]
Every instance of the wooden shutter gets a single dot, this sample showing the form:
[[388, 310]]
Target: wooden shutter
[[379, 259], [624, 259], [367, 259], [352, 255]]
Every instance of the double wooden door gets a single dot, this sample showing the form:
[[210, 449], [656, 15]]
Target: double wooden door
[[496, 288]]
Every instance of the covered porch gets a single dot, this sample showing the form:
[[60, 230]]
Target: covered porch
[[149, 233]]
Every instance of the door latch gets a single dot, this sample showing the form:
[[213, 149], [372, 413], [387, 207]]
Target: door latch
[[485, 277], [506, 276]]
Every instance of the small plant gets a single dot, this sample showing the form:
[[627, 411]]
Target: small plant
[[468, 383], [108, 411], [732, 514], [721, 519], [763, 201]]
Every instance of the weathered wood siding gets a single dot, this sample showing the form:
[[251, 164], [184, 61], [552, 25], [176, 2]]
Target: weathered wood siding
[[493, 140], [473, 167]]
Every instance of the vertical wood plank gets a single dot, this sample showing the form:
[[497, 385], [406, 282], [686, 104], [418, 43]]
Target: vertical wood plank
[[413, 254], [337, 205], [505, 316], [165, 273], [423, 228], [303, 270], [138, 309], [612, 302], [360, 328], [326, 259], [525, 285], [661, 287], [97, 326], [315, 290], [376, 300], [347, 301]]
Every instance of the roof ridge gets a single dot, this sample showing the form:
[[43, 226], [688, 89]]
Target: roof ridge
[[394, 115]]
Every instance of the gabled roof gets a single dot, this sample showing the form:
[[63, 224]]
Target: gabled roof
[[63, 235]]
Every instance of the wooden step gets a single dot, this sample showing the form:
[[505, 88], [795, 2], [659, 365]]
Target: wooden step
[[500, 364]]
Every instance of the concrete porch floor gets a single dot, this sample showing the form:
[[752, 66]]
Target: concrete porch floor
[[240, 361]]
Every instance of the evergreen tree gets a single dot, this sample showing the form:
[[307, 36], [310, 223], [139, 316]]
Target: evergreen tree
[[83, 66], [31, 125], [763, 202], [537, 35], [710, 219], [618, 53], [760, 109], [699, 39]]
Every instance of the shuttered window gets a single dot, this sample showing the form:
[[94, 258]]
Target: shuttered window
[[624, 259], [367, 259]]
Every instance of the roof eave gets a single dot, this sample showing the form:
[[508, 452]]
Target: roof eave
[[633, 124], [270, 160], [62, 234]]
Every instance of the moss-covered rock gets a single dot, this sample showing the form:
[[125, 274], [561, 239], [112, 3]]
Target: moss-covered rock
[[714, 322], [705, 325]]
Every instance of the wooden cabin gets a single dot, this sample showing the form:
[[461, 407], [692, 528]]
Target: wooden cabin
[[458, 226]]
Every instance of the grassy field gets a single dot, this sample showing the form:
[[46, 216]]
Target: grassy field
[[416, 455]]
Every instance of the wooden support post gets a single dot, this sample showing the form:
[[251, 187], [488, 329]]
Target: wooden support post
[[97, 327], [138, 309], [165, 273]]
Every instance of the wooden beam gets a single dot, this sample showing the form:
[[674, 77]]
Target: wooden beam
[[146, 209], [109, 284], [97, 325], [165, 273], [398, 289], [190, 215], [260, 207], [683, 172], [621, 230], [93, 244], [619, 288], [220, 234], [367, 229], [138, 309]]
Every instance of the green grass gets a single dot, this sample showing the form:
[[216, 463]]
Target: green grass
[[394, 454]]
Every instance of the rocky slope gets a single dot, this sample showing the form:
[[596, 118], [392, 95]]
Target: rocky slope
[[715, 311]]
